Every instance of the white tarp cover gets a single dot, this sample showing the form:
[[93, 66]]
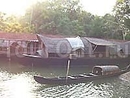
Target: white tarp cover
[[75, 42]]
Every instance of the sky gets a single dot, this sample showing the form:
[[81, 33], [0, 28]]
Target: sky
[[17, 7], [96, 7]]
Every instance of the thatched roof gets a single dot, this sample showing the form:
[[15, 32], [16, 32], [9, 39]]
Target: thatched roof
[[6, 39], [62, 45], [24, 36], [87, 46], [100, 42], [55, 45], [18, 36], [102, 70], [67, 45]]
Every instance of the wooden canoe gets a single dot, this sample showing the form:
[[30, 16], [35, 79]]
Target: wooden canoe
[[98, 72]]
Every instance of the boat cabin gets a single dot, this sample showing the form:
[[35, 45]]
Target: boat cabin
[[78, 47], [103, 48], [61, 47], [105, 70]]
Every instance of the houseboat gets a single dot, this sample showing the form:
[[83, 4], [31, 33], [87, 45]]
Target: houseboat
[[80, 51]]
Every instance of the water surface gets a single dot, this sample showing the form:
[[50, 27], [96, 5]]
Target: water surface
[[17, 81]]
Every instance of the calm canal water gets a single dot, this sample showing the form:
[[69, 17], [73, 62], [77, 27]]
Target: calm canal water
[[17, 81]]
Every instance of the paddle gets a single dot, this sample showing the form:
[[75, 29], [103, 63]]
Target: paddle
[[68, 67]]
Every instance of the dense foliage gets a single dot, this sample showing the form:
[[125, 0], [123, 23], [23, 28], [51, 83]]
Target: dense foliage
[[13, 24], [67, 17], [122, 15]]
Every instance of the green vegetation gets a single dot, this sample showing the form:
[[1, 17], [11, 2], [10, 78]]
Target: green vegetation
[[68, 18], [122, 15], [13, 24]]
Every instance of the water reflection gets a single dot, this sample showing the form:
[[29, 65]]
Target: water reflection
[[17, 86], [18, 82]]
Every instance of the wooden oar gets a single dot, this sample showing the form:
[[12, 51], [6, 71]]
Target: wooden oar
[[68, 67]]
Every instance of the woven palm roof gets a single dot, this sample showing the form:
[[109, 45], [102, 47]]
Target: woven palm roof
[[100, 42], [55, 45], [64, 45]]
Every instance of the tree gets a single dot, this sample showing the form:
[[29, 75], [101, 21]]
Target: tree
[[12, 24], [111, 27], [56, 16], [97, 27], [67, 17], [122, 14]]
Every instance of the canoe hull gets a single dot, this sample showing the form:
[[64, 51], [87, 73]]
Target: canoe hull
[[79, 79]]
